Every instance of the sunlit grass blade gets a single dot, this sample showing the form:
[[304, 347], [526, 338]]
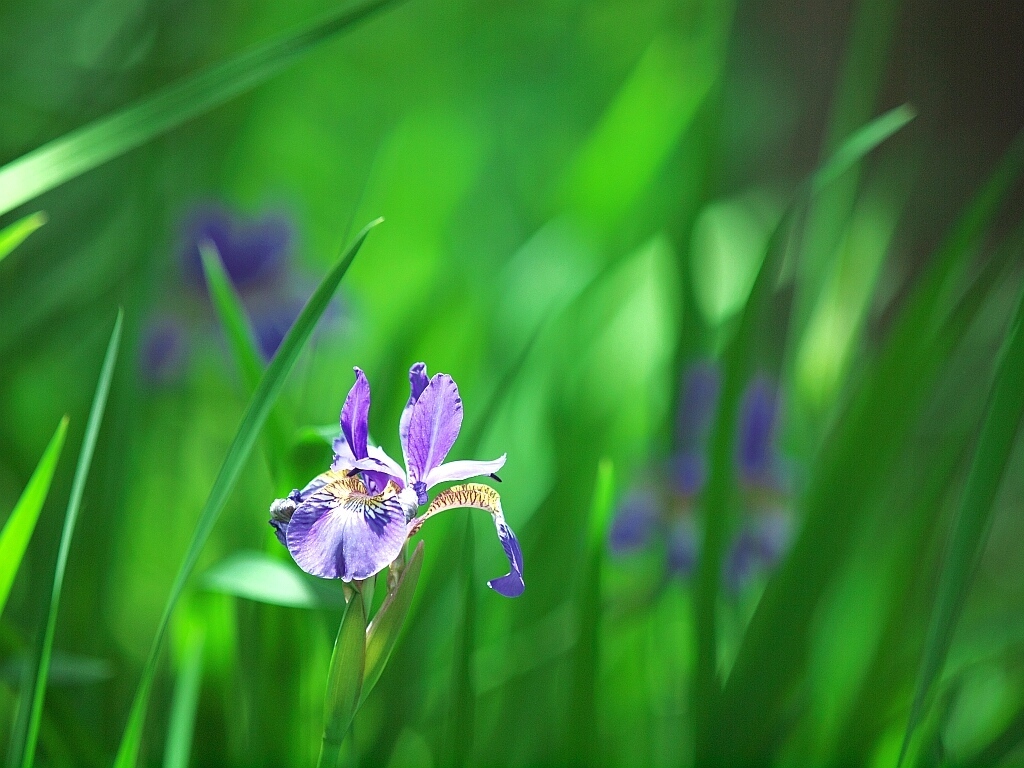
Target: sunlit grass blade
[[245, 438], [19, 526], [880, 413], [257, 576], [344, 681], [14, 234], [92, 431], [185, 703], [970, 529], [386, 626], [92, 145], [582, 746]]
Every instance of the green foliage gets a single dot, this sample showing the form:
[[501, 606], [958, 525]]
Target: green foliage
[[13, 234], [18, 529], [344, 681]]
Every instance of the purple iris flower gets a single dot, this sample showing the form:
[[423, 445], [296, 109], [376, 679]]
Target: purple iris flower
[[164, 351], [352, 521]]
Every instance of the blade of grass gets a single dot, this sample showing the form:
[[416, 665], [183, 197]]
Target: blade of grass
[[19, 526], [736, 371], [14, 234], [92, 145], [185, 704], [92, 431], [344, 681], [880, 414], [244, 348], [383, 631], [970, 529], [260, 577], [245, 438], [583, 743]]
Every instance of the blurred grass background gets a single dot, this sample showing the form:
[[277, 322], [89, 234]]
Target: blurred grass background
[[577, 200]]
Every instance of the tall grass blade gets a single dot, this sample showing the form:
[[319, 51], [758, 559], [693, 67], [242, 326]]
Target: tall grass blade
[[264, 579], [383, 631], [19, 526], [583, 742], [92, 431], [970, 529], [248, 431], [14, 234], [860, 143], [344, 681], [92, 145], [185, 703]]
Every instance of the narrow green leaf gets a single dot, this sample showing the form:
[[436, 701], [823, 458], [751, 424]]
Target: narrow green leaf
[[344, 681], [92, 145], [92, 431], [970, 529], [257, 576], [14, 234], [232, 315], [458, 725], [387, 625], [19, 526], [248, 431], [858, 145], [185, 704]]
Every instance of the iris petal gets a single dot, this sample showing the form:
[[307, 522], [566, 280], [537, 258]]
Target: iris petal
[[340, 531], [477, 496], [355, 415], [434, 424], [463, 470]]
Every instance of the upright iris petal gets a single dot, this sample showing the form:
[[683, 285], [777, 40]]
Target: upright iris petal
[[697, 402], [434, 425], [759, 414], [355, 430]]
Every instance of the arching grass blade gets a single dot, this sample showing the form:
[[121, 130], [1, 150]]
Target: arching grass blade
[[92, 145], [14, 234], [258, 576], [92, 430], [19, 526], [971, 526], [245, 438]]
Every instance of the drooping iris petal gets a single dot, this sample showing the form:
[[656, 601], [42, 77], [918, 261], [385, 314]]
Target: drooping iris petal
[[756, 455], [477, 496], [434, 424], [463, 470], [697, 403], [340, 531], [635, 523]]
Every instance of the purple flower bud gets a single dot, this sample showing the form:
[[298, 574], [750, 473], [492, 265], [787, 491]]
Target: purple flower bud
[[757, 457], [635, 523], [254, 253], [697, 404], [163, 352]]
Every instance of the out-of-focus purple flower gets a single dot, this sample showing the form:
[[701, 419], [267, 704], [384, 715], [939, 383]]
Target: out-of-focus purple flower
[[163, 351], [757, 458], [699, 398], [272, 324], [255, 253], [352, 521], [635, 522]]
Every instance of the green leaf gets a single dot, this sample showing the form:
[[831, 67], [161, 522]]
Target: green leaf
[[19, 526], [185, 704], [257, 576], [387, 624], [858, 145], [248, 431], [87, 147], [344, 681], [14, 234], [737, 364], [92, 431], [974, 518]]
